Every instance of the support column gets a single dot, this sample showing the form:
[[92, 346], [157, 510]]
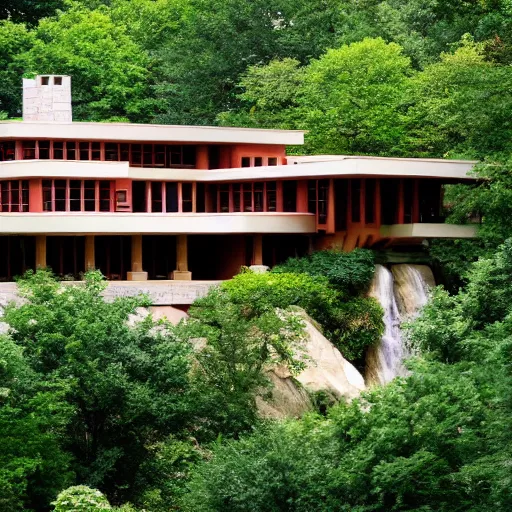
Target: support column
[[257, 255], [90, 263], [401, 203], [137, 274], [202, 157], [41, 251], [181, 273]]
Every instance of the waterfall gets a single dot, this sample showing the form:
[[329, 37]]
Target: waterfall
[[401, 292]]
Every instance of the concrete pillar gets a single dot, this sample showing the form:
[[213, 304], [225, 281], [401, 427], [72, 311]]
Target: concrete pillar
[[401, 203], [257, 255], [41, 251], [137, 274], [181, 273], [331, 210], [90, 263]]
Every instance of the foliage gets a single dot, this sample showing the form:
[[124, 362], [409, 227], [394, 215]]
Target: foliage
[[28, 11], [438, 440], [350, 273], [109, 70], [81, 498], [128, 385]]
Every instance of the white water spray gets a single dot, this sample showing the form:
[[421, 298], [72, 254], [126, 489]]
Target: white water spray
[[401, 293]]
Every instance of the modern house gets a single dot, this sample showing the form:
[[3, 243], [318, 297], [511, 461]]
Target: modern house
[[153, 202]]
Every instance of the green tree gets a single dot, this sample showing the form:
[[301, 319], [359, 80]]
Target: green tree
[[29, 11], [352, 97], [81, 498], [110, 71], [129, 385], [14, 40]]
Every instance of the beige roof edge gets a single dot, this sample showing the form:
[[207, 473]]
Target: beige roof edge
[[149, 133], [303, 159], [445, 169]]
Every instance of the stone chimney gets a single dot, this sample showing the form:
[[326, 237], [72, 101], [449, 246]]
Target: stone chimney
[[47, 98]]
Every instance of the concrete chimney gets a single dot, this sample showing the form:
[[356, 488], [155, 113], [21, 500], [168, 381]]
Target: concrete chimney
[[47, 98]]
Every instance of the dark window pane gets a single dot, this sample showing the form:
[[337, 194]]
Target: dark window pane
[[29, 149], [356, 200], [258, 161], [84, 150], [111, 152], [369, 202], [246, 161], [290, 196], [186, 195], [58, 150], [258, 197], [44, 149], [71, 150]]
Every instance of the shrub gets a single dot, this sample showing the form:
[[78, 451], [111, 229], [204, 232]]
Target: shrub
[[349, 272], [81, 498]]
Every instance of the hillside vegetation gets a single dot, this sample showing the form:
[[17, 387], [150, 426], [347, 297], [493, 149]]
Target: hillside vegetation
[[98, 413]]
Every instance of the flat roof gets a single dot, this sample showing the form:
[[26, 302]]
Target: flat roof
[[148, 133], [345, 168]]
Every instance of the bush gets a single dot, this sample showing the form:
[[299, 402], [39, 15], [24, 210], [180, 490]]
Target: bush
[[348, 272], [81, 498]]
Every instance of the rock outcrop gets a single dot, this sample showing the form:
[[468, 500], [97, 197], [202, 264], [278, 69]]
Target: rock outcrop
[[327, 371]]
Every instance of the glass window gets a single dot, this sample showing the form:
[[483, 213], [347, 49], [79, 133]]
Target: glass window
[[271, 196], [323, 197], [156, 196], [47, 196], [89, 196], [44, 149], [159, 155], [356, 200], [125, 152], [75, 192], [312, 196], [246, 161], [7, 151], [58, 150], [272, 161], [29, 149], [84, 150], [258, 161], [148, 155], [105, 189], [290, 196], [111, 152], [258, 197], [57, 80], [136, 157], [70, 150], [369, 203], [45, 80], [189, 156], [60, 195], [15, 196], [186, 197], [247, 187], [96, 151], [224, 198], [236, 197]]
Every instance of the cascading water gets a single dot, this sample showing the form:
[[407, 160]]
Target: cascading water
[[401, 293]]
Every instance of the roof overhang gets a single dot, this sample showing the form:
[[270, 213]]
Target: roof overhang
[[149, 133]]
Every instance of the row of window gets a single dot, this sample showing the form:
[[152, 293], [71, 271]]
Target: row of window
[[14, 196], [139, 155], [258, 161], [77, 196]]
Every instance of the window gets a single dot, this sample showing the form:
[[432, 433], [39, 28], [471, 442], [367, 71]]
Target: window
[[105, 196], [96, 151], [272, 161], [237, 197], [136, 155], [156, 196], [121, 196], [75, 195], [14, 196], [258, 161], [29, 149], [224, 198], [246, 161], [57, 80], [147, 155], [290, 196], [271, 196], [58, 150], [70, 150], [200, 198], [7, 151], [258, 197], [323, 198], [186, 197], [84, 150], [356, 200], [111, 152], [44, 149], [247, 187], [159, 155], [312, 196], [45, 80], [369, 203]]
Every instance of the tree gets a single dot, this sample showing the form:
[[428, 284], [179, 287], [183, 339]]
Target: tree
[[459, 105], [352, 97], [110, 71], [14, 40], [81, 498], [29, 11], [128, 385]]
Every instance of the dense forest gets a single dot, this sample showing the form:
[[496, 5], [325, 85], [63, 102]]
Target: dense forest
[[98, 412]]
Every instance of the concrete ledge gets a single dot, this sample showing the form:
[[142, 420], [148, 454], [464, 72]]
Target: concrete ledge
[[429, 231], [137, 276]]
